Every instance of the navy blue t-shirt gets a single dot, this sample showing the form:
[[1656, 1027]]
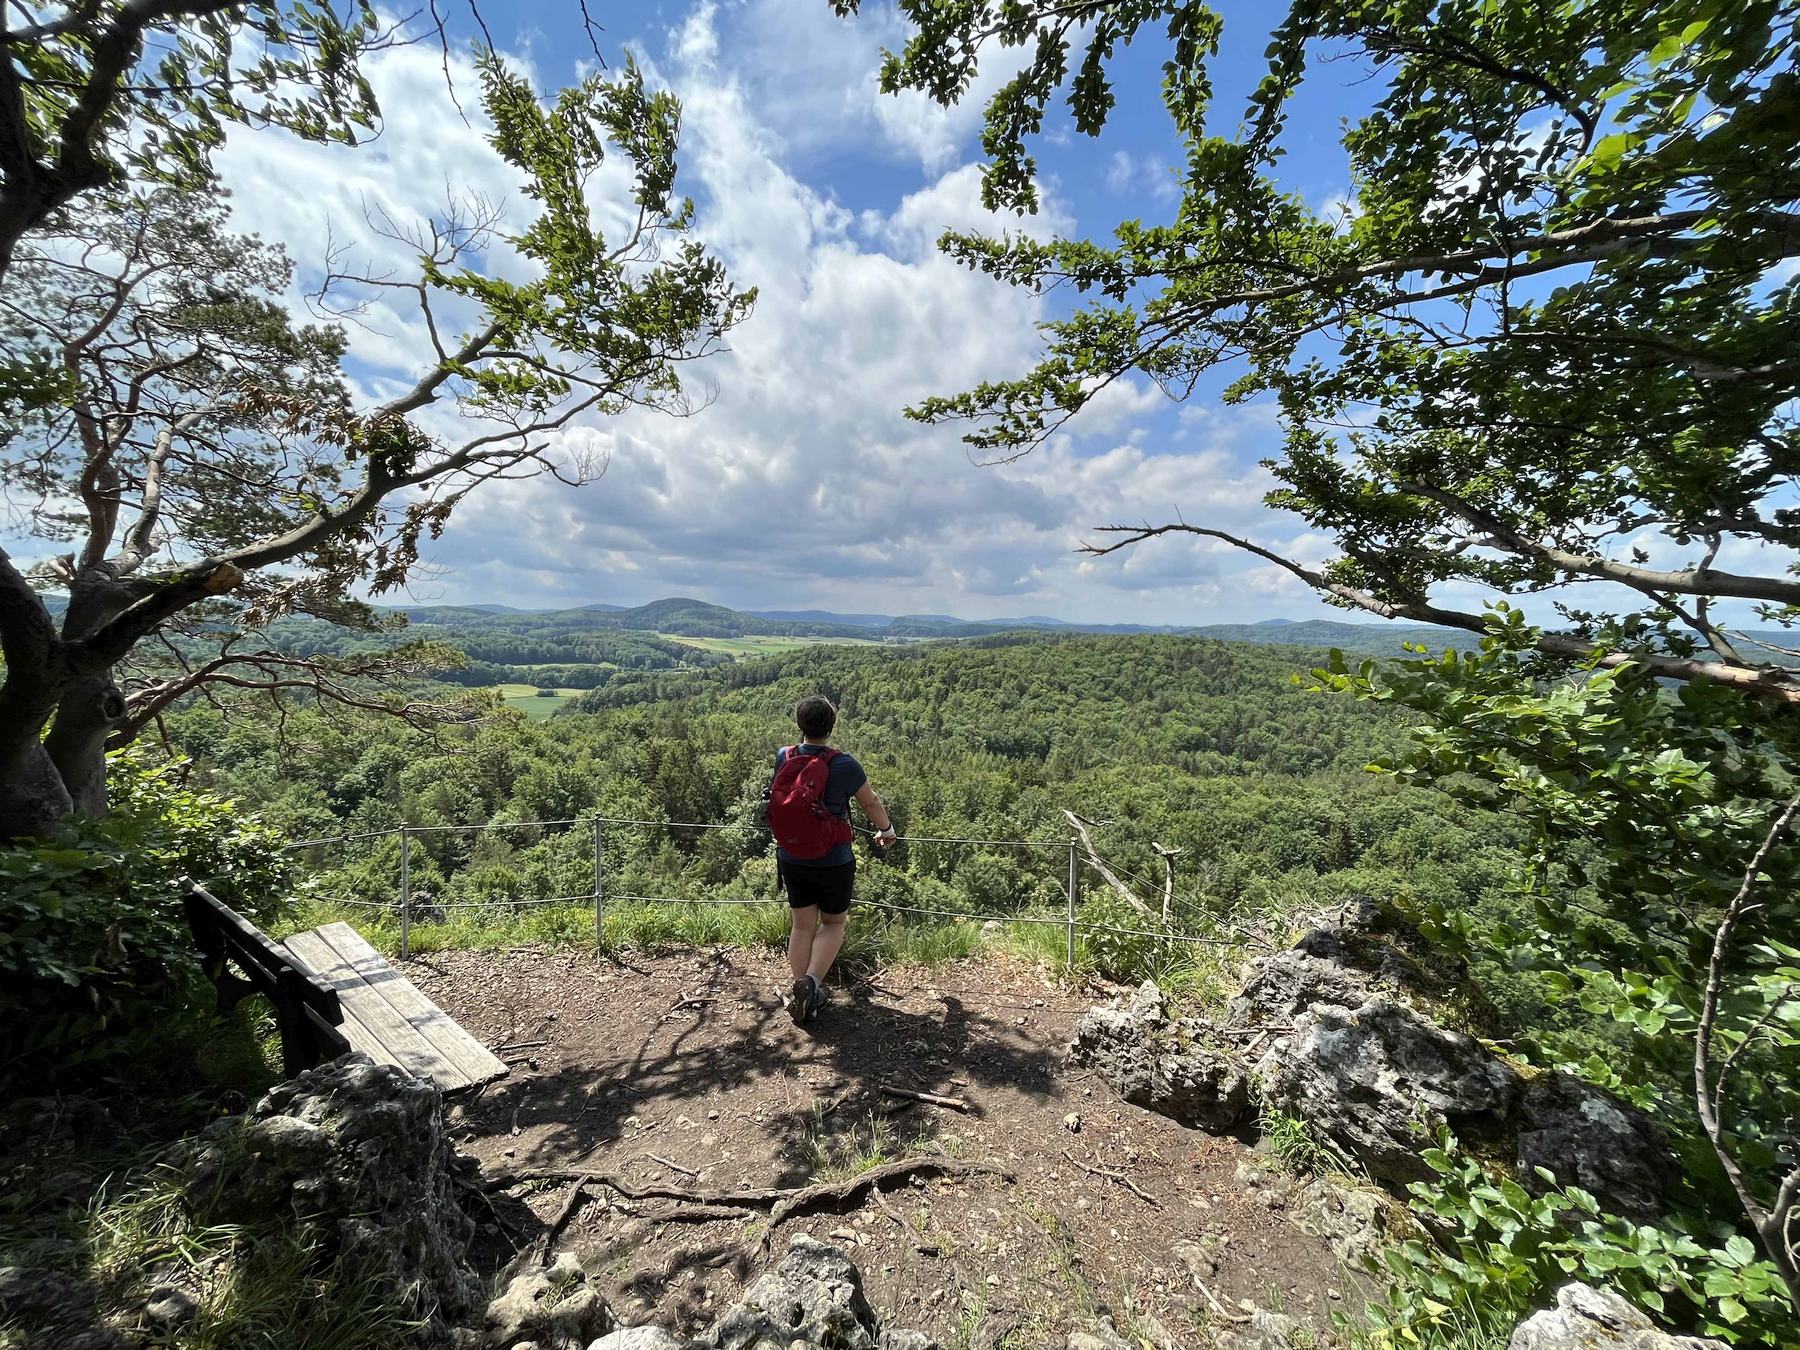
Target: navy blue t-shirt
[[844, 778]]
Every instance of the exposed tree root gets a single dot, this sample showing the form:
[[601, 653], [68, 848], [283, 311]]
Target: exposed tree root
[[704, 1206]]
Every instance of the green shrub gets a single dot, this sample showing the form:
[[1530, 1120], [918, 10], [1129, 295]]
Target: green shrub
[[1506, 1251], [94, 946]]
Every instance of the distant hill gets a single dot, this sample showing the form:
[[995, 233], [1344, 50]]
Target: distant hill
[[684, 616]]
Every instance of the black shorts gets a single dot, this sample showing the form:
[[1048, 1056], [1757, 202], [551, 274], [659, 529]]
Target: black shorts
[[827, 887]]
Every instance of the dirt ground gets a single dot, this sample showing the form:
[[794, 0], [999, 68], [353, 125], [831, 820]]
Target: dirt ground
[[684, 1071]]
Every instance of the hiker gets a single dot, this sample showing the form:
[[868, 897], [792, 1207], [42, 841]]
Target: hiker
[[809, 815]]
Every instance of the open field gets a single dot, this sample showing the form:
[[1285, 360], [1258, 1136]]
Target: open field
[[526, 699], [759, 645]]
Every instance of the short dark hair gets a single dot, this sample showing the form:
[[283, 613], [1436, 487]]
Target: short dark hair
[[815, 716]]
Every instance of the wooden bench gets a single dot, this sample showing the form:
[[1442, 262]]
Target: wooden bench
[[333, 993]]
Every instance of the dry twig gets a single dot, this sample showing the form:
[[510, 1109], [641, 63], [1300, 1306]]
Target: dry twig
[[1119, 1177], [932, 1098]]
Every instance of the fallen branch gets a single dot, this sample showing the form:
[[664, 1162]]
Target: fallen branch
[[1119, 1177], [672, 1166], [932, 1098], [1219, 1307]]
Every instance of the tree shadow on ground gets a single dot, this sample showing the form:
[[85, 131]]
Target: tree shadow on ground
[[711, 1087]]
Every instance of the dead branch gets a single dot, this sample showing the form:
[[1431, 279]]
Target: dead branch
[[1168, 856], [1119, 1177], [1098, 863], [672, 1166], [931, 1098]]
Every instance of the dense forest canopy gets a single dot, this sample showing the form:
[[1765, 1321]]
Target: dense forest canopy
[[1191, 743]]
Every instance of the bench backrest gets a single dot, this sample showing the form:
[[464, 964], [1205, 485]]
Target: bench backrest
[[306, 1010]]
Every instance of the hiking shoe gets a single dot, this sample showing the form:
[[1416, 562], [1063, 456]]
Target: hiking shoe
[[803, 998], [817, 1003]]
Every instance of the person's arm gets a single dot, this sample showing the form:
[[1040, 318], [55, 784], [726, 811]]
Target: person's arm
[[877, 812]]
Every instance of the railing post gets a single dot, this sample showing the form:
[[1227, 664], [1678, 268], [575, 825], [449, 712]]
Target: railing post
[[405, 893], [1074, 896], [599, 888]]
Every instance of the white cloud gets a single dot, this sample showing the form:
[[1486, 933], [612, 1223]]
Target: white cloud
[[1131, 175], [953, 202], [812, 79], [803, 483]]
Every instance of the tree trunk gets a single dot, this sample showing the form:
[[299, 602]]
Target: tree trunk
[[92, 705], [33, 800], [76, 744], [45, 779]]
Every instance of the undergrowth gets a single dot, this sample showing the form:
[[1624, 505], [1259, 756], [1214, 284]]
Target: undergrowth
[[876, 938], [250, 1285]]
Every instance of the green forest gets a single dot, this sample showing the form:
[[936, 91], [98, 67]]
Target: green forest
[[1195, 744]]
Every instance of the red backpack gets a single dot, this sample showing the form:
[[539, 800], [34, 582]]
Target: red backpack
[[798, 817]]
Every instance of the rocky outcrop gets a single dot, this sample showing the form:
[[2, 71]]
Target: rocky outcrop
[[1346, 1031], [812, 1297], [554, 1309], [354, 1156], [1589, 1139], [1377, 1079], [56, 1305], [1586, 1318], [1176, 1066]]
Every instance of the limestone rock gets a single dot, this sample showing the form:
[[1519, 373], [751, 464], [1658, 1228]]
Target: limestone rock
[[642, 1338], [1355, 1220], [1379, 1079], [552, 1309], [1265, 1331], [905, 1340], [813, 1295], [1176, 1066], [1588, 1138], [1586, 1318], [355, 1155], [1104, 1336]]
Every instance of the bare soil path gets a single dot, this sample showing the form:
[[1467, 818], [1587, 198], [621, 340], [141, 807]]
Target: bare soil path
[[682, 1070]]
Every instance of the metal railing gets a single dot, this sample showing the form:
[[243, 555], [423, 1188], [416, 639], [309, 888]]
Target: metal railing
[[407, 908]]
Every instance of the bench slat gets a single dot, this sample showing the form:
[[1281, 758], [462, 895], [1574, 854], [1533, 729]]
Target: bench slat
[[370, 1022], [472, 1059]]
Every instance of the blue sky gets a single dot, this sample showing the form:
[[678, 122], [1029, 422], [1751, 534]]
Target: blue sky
[[801, 484]]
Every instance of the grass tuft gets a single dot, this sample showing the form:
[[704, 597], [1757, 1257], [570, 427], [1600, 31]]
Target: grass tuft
[[868, 1144]]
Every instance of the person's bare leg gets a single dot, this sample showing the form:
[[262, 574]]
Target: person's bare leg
[[805, 920], [826, 945]]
